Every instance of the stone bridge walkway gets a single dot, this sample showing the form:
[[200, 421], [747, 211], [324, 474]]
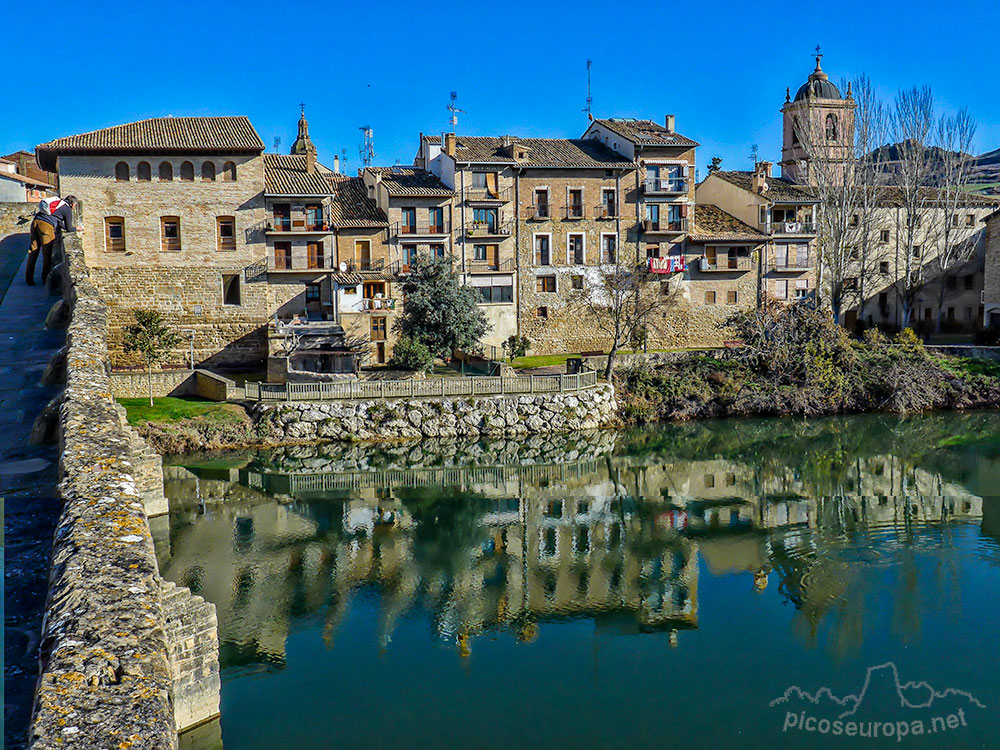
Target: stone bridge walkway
[[28, 478]]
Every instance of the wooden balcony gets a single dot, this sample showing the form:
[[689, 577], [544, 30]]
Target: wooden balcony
[[725, 264]]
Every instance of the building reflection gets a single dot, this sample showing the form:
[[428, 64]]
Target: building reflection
[[588, 528]]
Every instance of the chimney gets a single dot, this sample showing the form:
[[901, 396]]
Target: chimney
[[336, 164], [310, 160], [761, 174], [668, 123], [449, 144], [506, 141]]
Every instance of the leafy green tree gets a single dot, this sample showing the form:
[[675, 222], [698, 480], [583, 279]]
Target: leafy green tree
[[715, 165], [409, 354], [438, 311], [516, 346], [150, 339]]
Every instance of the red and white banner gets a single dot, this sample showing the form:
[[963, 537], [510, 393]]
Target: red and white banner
[[670, 264]]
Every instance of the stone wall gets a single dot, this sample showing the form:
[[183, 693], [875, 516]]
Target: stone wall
[[106, 679], [11, 215], [447, 417], [198, 382]]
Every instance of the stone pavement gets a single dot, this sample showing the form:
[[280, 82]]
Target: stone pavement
[[28, 479]]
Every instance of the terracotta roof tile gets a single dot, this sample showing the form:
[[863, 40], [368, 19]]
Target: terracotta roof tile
[[410, 181], [646, 132], [285, 174], [712, 224], [779, 189], [233, 135], [541, 152], [351, 206]]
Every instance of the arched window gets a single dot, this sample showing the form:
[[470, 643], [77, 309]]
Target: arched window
[[795, 130], [121, 171], [229, 172], [166, 171], [187, 172], [143, 172], [831, 127], [208, 171]]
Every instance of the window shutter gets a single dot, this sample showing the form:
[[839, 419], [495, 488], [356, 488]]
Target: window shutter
[[684, 211]]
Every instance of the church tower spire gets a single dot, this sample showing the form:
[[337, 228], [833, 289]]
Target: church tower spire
[[303, 144]]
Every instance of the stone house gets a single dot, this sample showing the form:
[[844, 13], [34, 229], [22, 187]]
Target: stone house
[[991, 290], [173, 218], [16, 187]]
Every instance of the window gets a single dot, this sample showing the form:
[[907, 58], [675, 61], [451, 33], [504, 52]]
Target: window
[[831, 127], [479, 180], [883, 267], [484, 219], [883, 301], [968, 315], [574, 207], [114, 234], [436, 220], [542, 313], [497, 292], [545, 284], [951, 314], [801, 288], [231, 289], [187, 171], [229, 172], [378, 328], [653, 216], [170, 233], [227, 232], [436, 250], [731, 297], [409, 255], [709, 480], [283, 256], [479, 252], [542, 250], [577, 281], [282, 216], [609, 208], [542, 203], [883, 236], [854, 220], [363, 254], [314, 216], [143, 172], [653, 250], [574, 249], [314, 254], [968, 281], [954, 220], [851, 283], [121, 172], [781, 288], [313, 293], [166, 171], [374, 289], [916, 251], [970, 220], [951, 282], [208, 171], [409, 220], [709, 298], [609, 248]]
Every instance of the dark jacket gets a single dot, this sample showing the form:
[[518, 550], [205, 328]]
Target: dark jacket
[[61, 218]]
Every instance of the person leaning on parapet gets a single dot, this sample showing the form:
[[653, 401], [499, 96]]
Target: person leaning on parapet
[[54, 215]]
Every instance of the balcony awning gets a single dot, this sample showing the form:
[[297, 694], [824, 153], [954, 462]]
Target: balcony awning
[[353, 278]]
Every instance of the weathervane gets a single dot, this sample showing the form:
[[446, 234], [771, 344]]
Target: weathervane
[[818, 56]]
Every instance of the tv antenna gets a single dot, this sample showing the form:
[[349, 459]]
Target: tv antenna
[[277, 144], [753, 154], [453, 120], [367, 149], [590, 99], [343, 160]]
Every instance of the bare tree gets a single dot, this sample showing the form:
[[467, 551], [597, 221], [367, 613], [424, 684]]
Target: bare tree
[[622, 305], [917, 223], [955, 134], [843, 179]]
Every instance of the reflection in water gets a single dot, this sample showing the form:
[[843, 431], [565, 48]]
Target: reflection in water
[[837, 520]]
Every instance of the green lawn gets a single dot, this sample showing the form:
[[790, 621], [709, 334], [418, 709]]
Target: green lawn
[[551, 360], [171, 409]]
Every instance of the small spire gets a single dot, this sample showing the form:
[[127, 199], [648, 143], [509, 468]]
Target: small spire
[[850, 95], [818, 56], [788, 94]]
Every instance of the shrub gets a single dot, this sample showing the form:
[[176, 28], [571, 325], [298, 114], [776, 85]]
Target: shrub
[[409, 354], [516, 346]]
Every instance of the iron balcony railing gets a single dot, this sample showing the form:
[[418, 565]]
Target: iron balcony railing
[[603, 211], [353, 266], [796, 263], [790, 227], [486, 266], [574, 211], [497, 228], [725, 263], [286, 263], [539, 212], [485, 195], [676, 226], [378, 304], [422, 229], [666, 185]]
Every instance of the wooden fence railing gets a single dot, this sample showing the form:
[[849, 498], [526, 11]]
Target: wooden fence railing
[[435, 387]]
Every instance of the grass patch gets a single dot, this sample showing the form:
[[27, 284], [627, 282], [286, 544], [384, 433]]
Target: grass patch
[[970, 366], [541, 360], [171, 409]]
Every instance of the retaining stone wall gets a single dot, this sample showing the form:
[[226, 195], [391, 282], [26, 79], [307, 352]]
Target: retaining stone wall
[[107, 679], [445, 417], [11, 215], [202, 383]]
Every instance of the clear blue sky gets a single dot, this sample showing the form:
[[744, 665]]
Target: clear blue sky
[[518, 67]]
